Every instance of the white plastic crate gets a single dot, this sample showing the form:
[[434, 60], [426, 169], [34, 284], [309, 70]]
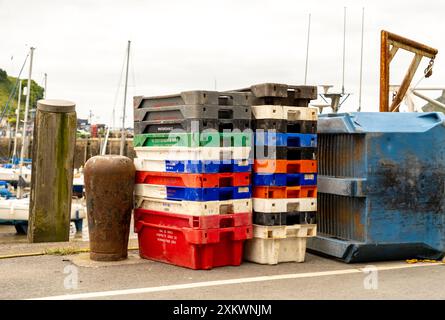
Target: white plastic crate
[[284, 232], [285, 113], [186, 153], [195, 208], [284, 205], [150, 191], [276, 244]]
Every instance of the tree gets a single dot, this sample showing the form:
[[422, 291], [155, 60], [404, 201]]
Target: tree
[[3, 75], [35, 95]]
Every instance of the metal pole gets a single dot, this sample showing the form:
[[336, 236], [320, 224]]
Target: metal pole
[[361, 63], [17, 120], [25, 122], [44, 93], [307, 48], [428, 99], [344, 51], [125, 102], [8, 125]]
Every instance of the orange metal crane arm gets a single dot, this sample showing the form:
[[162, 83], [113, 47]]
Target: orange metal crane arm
[[390, 44]]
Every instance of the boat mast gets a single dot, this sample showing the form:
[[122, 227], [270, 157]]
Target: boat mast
[[125, 102], [25, 122], [307, 48], [44, 92], [28, 94], [344, 51], [17, 120], [361, 64]]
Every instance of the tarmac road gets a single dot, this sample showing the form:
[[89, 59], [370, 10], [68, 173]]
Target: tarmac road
[[317, 278]]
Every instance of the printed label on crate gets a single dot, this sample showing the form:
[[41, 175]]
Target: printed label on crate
[[195, 208], [194, 139], [166, 236]]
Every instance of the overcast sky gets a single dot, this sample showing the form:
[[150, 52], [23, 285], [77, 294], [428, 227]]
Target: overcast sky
[[193, 44]]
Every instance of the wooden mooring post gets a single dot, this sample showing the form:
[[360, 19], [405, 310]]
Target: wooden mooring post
[[52, 171]]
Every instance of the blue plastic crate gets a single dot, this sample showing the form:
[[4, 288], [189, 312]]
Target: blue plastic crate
[[268, 138], [208, 194], [285, 179]]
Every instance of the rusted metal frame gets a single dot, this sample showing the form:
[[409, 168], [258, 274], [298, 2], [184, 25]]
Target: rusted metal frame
[[393, 52], [405, 83], [384, 71], [410, 45], [390, 43]]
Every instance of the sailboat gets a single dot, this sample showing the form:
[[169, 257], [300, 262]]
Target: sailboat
[[15, 211]]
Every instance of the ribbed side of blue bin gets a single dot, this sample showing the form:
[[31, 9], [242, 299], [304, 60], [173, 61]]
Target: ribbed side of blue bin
[[381, 186]]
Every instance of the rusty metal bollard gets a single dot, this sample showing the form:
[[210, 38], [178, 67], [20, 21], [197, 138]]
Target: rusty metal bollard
[[109, 186]]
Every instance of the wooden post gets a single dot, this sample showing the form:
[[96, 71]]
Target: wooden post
[[52, 171]]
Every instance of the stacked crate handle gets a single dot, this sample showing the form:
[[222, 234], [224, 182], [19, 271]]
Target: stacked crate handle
[[221, 230]]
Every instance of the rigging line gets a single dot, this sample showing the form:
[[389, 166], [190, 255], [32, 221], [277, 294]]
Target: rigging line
[[344, 51], [12, 94], [418, 82], [361, 62], [117, 91], [307, 48], [133, 73], [423, 77]]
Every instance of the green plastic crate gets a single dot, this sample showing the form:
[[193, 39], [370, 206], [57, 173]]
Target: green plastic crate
[[184, 139]]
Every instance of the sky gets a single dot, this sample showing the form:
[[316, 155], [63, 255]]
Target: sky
[[203, 45]]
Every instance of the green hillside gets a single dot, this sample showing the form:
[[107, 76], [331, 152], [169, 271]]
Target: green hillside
[[7, 84]]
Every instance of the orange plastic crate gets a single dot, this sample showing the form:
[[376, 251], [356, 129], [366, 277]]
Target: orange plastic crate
[[285, 192], [285, 166]]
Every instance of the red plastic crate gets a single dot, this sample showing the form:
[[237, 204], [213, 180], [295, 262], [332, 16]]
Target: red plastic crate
[[194, 222], [191, 180], [192, 248]]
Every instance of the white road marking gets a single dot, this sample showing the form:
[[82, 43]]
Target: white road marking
[[102, 294]]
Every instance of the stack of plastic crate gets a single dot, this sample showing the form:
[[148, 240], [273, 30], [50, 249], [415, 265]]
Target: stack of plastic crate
[[284, 173], [193, 180]]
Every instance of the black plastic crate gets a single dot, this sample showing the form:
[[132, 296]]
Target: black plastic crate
[[285, 153], [190, 125], [281, 94], [285, 126], [284, 218], [194, 98]]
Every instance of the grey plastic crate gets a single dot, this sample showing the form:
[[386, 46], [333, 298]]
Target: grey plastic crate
[[196, 111], [194, 98]]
